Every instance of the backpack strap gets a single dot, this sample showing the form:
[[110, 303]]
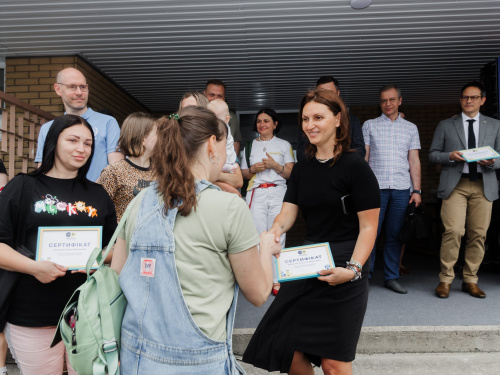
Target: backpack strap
[[108, 352], [108, 359], [97, 254]]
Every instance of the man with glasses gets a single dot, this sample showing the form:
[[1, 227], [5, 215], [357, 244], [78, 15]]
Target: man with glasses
[[468, 189], [73, 89], [392, 150]]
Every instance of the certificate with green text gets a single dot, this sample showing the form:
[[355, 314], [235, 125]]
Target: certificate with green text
[[303, 262], [68, 246]]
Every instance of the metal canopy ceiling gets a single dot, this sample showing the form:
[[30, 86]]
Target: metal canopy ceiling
[[269, 52]]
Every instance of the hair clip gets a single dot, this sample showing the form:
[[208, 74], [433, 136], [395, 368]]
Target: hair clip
[[174, 115]]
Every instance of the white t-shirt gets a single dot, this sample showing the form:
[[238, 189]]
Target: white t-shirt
[[279, 149], [230, 153]]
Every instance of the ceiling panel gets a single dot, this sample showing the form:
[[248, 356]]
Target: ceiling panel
[[268, 52]]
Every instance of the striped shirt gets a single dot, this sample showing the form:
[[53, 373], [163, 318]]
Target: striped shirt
[[390, 142]]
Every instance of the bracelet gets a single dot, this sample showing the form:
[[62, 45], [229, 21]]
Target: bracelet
[[282, 169], [353, 263], [357, 274]]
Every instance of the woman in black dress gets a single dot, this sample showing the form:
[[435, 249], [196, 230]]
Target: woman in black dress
[[319, 320]]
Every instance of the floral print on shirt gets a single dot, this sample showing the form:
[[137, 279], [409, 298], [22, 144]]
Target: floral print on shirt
[[52, 205]]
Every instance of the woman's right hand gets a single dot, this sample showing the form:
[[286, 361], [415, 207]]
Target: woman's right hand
[[276, 231], [267, 241], [46, 272]]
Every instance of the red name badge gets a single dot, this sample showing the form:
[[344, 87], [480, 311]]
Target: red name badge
[[148, 267]]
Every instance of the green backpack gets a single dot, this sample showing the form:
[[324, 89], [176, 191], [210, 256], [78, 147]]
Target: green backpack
[[90, 325]]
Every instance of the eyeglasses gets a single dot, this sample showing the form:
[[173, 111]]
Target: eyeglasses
[[474, 98], [83, 88], [391, 100]]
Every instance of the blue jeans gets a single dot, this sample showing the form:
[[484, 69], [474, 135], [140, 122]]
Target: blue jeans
[[393, 207]]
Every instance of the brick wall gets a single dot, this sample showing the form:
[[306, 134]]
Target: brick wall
[[31, 79]]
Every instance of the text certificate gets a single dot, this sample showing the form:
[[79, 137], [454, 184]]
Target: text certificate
[[68, 246], [480, 153], [303, 262]]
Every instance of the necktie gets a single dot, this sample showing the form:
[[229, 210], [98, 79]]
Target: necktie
[[472, 144]]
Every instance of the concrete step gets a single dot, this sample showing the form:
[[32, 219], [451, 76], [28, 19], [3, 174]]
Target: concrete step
[[443, 350], [416, 364], [418, 339], [403, 364]]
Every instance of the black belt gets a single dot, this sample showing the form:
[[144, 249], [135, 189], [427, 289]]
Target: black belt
[[466, 175]]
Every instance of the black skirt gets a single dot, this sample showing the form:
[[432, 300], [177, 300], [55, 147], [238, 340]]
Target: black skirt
[[312, 317]]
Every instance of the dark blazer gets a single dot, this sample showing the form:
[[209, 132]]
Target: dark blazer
[[450, 136], [357, 141]]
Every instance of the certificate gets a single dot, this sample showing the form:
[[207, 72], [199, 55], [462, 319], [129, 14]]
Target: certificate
[[68, 246], [480, 153], [303, 262]]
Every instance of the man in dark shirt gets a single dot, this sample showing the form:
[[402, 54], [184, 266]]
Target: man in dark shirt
[[357, 142], [216, 89]]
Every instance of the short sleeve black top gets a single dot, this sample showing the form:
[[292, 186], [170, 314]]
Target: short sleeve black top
[[52, 202], [317, 188]]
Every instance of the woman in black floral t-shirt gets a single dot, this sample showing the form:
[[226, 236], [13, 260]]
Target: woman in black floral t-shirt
[[56, 194]]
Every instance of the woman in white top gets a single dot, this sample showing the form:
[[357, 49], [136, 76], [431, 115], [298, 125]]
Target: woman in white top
[[269, 165]]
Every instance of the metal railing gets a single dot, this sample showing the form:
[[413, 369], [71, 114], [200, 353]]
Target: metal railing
[[20, 124]]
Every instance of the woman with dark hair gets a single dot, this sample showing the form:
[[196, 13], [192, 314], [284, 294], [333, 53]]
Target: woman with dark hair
[[184, 249], [56, 194], [268, 167], [319, 320]]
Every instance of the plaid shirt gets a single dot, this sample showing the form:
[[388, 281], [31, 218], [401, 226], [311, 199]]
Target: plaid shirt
[[389, 145]]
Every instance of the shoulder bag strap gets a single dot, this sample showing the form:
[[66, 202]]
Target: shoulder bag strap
[[97, 254], [26, 192]]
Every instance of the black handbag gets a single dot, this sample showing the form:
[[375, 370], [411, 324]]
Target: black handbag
[[9, 279], [418, 226]]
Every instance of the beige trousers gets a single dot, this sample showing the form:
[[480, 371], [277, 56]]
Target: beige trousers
[[465, 209]]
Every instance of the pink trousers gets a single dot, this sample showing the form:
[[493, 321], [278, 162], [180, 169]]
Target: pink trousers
[[31, 349]]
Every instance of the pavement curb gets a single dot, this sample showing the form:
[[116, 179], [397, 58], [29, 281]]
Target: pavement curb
[[413, 339]]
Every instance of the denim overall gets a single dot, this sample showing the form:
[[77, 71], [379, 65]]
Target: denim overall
[[159, 335]]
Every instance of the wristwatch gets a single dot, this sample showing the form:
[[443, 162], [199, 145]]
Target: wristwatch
[[417, 192]]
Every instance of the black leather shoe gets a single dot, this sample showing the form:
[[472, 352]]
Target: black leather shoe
[[473, 290], [395, 286], [443, 290]]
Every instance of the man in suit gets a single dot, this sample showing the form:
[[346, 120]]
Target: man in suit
[[357, 142], [467, 189]]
